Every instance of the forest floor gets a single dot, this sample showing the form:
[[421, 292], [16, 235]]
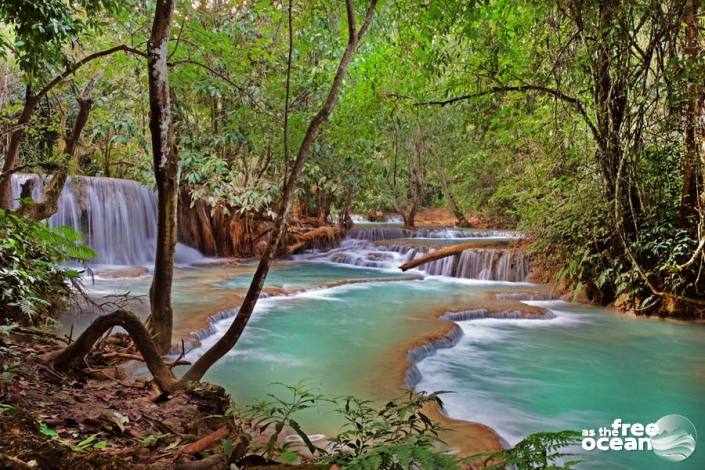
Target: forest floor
[[53, 420]]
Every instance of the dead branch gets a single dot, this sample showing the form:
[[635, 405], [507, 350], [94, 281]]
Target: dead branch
[[207, 441]]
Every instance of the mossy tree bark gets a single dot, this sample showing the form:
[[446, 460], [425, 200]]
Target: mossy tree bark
[[166, 167]]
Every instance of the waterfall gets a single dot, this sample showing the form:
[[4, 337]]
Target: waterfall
[[374, 233], [117, 218], [491, 264], [487, 263]]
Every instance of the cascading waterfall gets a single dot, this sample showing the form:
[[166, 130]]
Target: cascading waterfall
[[374, 233], [117, 218], [491, 264], [487, 264]]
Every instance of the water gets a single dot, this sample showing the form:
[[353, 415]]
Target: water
[[341, 340], [581, 370], [117, 218], [297, 276]]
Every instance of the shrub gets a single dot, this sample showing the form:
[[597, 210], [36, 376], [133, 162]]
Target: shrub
[[33, 283]]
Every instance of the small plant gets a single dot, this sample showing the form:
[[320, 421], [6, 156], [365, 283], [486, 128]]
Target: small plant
[[275, 415], [367, 427], [537, 451]]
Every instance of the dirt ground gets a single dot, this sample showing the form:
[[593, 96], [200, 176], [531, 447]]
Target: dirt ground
[[54, 420]]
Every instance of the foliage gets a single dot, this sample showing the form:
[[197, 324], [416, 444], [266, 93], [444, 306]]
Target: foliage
[[277, 415], [32, 279], [41, 30], [367, 428], [397, 436], [414, 452], [537, 451]]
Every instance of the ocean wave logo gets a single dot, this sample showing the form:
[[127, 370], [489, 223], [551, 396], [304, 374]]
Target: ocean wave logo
[[676, 438]]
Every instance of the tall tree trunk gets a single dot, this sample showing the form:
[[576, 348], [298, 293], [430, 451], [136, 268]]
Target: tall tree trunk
[[345, 219], [136, 330], [694, 121], [48, 205], [231, 337], [410, 216], [166, 167], [460, 219], [323, 206], [13, 149]]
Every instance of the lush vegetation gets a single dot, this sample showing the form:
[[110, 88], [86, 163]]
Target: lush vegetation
[[34, 282], [396, 436], [580, 123], [577, 123]]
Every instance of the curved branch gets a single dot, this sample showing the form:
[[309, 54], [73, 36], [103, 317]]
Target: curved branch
[[77, 65], [522, 88], [68, 356]]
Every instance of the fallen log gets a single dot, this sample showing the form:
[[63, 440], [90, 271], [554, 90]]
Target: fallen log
[[438, 254]]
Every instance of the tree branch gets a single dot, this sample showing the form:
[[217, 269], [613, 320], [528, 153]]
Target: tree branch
[[521, 88], [96, 55]]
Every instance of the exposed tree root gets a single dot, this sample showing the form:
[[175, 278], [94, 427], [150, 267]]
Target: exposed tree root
[[69, 357]]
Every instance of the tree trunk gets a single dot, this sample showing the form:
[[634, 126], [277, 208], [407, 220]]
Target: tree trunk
[[345, 219], [231, 337], [461, 221], [166, 166], [694, 121], [410, 216], [438, 254], [48, 205], [323, 206], [136, 330], [13, 149]]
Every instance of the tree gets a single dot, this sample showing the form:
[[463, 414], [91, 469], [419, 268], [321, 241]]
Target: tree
[[145, 344], [166, 169], [41, 30], [47, 206]]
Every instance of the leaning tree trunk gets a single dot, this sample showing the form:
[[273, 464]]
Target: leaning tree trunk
[[137, 332], [48, 205], [13, 149], [166, 166], [231, 337]]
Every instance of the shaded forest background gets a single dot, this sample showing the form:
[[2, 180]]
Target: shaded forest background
[[579, 123]]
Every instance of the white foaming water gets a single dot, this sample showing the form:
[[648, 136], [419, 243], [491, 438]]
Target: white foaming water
[[117, 218], [445, 370], [487, 264]]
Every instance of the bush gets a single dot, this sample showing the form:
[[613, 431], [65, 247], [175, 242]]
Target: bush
[[33, 283], [396, 436]]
